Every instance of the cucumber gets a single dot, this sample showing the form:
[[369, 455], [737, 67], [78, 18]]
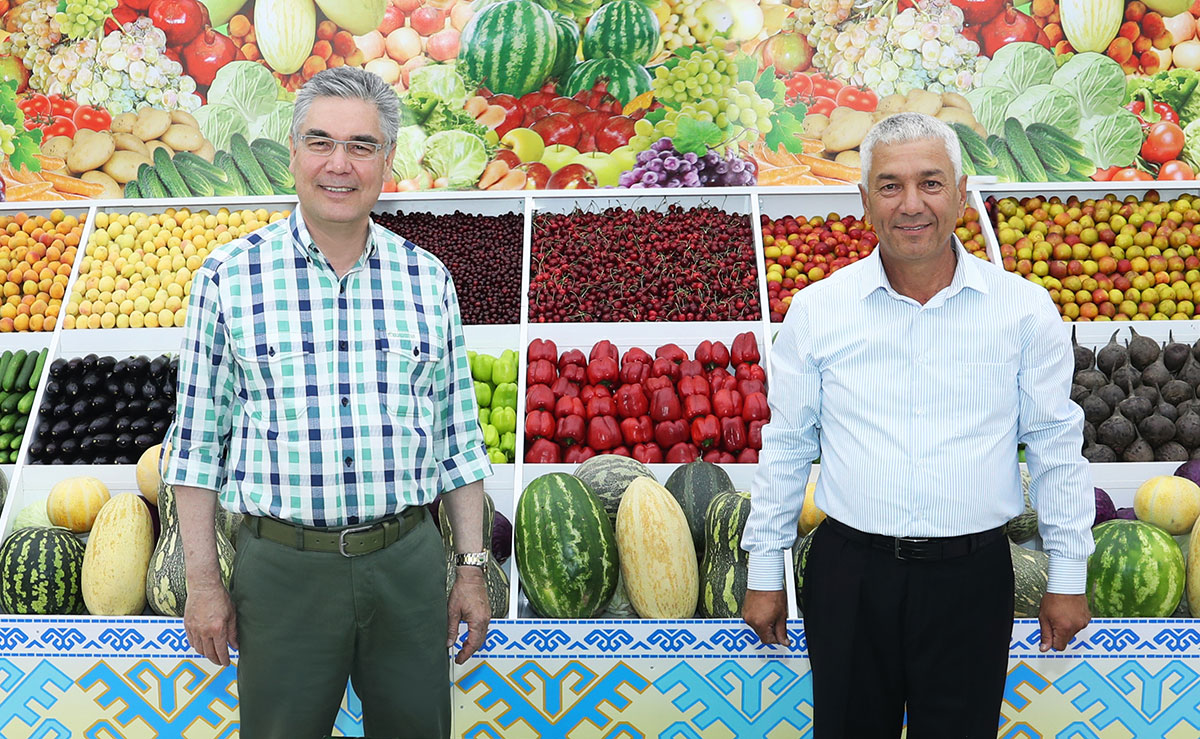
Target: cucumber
[[243, 159], [31, 360], [5, 360], [236, 182], [19, 426], [1007, 170], [6, 439], [7, 423], [968, 166], [220, 187], [263, 145], [10, 403], [276, 170], [1057, 135], [37, 369], [199, 164], [974, 145], [132, 190], [25, 404], [168, 175], [149, 183], [1022, 151], [200, 185], [9, 379], [15, 443], [1055, 162]]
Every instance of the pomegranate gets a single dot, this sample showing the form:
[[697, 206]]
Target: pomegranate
[[180, 20], [979, 12], [1010, 26], [206, 54]]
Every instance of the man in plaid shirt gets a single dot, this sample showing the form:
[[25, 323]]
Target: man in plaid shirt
[[325, 392]]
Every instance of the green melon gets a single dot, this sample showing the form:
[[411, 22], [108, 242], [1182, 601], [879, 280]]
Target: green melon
[[567, 43], [626, 80], [607, 475], [509, 47], [694, 485], [1031, 572], [1024, 526], [725, 567], [41, 569], [1136, 571], [623, 29]]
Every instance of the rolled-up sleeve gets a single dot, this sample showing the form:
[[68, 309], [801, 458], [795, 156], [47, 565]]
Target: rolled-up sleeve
[[462, 458]]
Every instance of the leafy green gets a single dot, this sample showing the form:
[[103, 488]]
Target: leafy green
[[1175, 87], [25, 143], [275, 125], [1096, 81], [1191, 145], [220, 122], [247, 87], [1112, 140], [440, 82], [989, 104], [769, 87], [786, 125], [747, 66], [410, 149], [1018, 66], [1047, 104], [696, 136], [456, 155]]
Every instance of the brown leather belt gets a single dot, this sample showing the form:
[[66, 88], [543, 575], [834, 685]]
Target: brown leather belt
[[928, 549], [348, 541]]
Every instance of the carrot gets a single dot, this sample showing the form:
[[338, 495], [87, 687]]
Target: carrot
[[780, 157], [807, 179], [70, 196], [73, 185], [834, 181], [22, 175], [30, 191], [825, 168], [782, 175], [50, 162], [514, 180], [813, 146], [492, 173]]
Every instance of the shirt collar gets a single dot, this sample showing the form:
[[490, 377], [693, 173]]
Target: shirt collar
[[304, 243], [966, 274]]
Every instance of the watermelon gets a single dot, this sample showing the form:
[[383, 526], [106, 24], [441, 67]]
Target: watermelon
[[694, 486], [565, 546], [726, 565], [509, 47], [41, 571], [607, 475], [626, 80], [1136, 571], [623, 29], [567, 29], [1023, 528], [1031, 572]]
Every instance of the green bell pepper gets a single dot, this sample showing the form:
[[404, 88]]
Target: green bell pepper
[[505, 395], [481, 367], [483, 394], [491, 436], [485, 415], [504, 419], [504, 369], [495, 456], [508, 444]]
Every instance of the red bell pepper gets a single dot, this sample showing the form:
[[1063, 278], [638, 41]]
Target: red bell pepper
[[745, 387], [720, 356], [600, 405], [541, 372], [568, 406], [726, 458], [578, 453], [637, 430], [564, 387], [721, 380], [604, 348], [593, 391], [576, 373], [658, 382], [636, 354], [703, 353], [682, 453], [539, 425], [733, 434], [663, 367], [696, 405], [632, 372], [744, 349], [539, 398], [571, 356], [706, 431], [542, 349], [620, 451], [713, 456], [648, 453], [727, 403], [695, 385], [1160, 111], [755, 408], [542, 451], [632, 401], [754, 434], [671, 352], [751, 372], [669, 433], [664, 405], [747, 456], [691, 368], [603, 433], [603, 371], [570, 430]]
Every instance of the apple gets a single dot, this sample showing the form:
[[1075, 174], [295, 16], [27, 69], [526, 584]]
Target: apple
[[386, 67], [788, 52], [606, 168], [558, 128], [460, 15], [407, 6], [427, 20], [626, 156], [526, 143], [557, 156], [616, 132], [573, 176], [715, 17], [536, 175], [403, 44], [443, 45], [11, 68], [416, 62], [393, 18], [508, 157]]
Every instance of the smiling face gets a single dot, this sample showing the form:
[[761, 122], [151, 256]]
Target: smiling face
[[336, 191], [913, 200]]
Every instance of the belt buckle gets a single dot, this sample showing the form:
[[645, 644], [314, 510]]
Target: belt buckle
[[914, 551], [342, 538]]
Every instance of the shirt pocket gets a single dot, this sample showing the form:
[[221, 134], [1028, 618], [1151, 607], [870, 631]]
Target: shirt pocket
[[278, 389], [985, 393], [410, 365]]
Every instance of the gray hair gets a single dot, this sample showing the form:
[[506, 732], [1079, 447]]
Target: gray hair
[[351, 83], [902, 128]]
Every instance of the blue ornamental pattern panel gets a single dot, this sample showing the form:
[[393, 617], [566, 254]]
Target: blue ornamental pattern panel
[[22, 694], [169, 703], [771, 697]]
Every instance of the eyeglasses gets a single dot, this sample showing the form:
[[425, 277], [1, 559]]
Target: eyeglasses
[[324, 146]]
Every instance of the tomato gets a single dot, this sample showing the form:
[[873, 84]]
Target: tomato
[[1176, 170], [97, 119], [858, 98], [825, 87], [1131, 174], [1106, 174], [61, 125], [1164, 141], [62, 106], [34, 104], [800, 86], [820, 105]]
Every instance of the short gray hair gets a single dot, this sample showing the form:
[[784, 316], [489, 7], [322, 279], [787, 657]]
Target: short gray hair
[[902, 128], [351, 83]]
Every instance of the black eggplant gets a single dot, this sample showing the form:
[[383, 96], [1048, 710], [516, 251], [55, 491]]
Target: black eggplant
[[160, 427], [159, 366], [92, 382], [68, 447], [157, 407], [100, 423], [49, 449], [73, 366], [145, 441], [79, 430], [70, 389], [103, 458], [121, 425], [135, 408], [101, 402], [80, 409], [89, 362], [140, 425], [36, 449], [105, 364], [61, 430], [129, 389], [103, 441], [58, 368], [60, 410], [53, 388], [120, 368], [125, 459], [150, 390], [123, 441]]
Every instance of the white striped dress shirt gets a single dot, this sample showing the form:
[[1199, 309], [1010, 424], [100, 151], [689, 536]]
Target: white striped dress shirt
[[916, 411]]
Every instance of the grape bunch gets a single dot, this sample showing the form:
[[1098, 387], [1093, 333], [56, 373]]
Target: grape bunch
[[36, 32], [84, 16], [663, 166], [682, 28], [7, 134], [703, 74]]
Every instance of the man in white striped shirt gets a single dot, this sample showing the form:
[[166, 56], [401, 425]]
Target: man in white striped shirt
[[913, 374]]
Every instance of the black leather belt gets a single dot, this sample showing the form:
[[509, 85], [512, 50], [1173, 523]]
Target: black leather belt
[[348, 541], [929, 549]]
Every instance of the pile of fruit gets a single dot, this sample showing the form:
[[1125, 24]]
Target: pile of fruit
[[36, 256], [20, 373], [658, 408], [333, 47], [496, 394], [137, 268], [681, 264], [489, 290], [413, 33], [1105, 259]]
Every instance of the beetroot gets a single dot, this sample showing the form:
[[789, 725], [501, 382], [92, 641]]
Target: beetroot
[[1105, 510], [1127, 514], [1189, 470]]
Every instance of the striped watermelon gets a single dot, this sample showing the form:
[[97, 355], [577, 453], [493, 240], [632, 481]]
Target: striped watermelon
[[626, 80], [623, 29], [567, 29], [724, 570], [565, 546], [509, 47], [694, 486], [41, 568], [1135, 572], [607, 475]]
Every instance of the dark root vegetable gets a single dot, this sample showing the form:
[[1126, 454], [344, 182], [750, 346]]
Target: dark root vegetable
[[1187, 430], [1095, 410], [1175, 354], [1156, 429], [1117, 432], [1142, 350], [1148, 392], [1156, 374], [1089, 434], [1126, 377], [1091, 379], [1111, 394], [1100, 453], [1167, 411], [1085, 357], [1136, 408], [1138, 451], [1113, 355], [1172, 451], [1176, 392]]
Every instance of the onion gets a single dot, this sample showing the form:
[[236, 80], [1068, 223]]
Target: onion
[[1182, 27], [386, 68], [460, 14], [370, 44], [1187, 55], [403, 44]]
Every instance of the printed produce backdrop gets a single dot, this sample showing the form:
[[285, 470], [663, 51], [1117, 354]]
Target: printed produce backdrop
[[174, 98]]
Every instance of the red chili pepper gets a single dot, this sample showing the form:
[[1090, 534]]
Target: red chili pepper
[[747, 456], [696, 405], [633, 372], [637, 354], [542, 349], [564, 387], [603, 433], [727, 403], [600, 405], [572, 356], [578, 453], [695, 385], [670, 433], [657, 382], [682, 453], [744, 349], [637, 430], [733, 434], [539, 425], [568, 406], [603, 371], [539, 398], [570, 430], [542, 451], [745, 387], [706, 431], [576, 373], [754, 434], [604, 348], [755, 408], [648, 453], [632, 401], [671, 352], [664, 405], [703, 354], [691, 368], [540, 372]]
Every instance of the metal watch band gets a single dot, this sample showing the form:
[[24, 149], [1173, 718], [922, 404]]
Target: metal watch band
[[473, 559]]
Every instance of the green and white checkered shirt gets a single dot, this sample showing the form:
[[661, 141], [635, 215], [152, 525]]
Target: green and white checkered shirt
[[318, 400]]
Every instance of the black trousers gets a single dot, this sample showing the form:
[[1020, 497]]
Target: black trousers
[[888, 635]]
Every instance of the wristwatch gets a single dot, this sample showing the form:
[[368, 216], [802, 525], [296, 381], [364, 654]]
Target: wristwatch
[[471, 559]]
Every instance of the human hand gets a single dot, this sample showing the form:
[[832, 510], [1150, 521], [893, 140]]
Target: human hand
[[210, 621], [766, 612], [468, 603], [1061, 617]]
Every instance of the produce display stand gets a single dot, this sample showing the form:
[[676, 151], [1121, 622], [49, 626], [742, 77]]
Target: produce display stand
[[617, 679]]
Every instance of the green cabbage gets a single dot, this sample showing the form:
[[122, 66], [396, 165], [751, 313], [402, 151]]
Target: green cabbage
[[456, 155], [1095, 81], [410, 148], [275, 125], [247, 87], [219, 123], [440, 82], [1019, 66], [1112, 140], [988, 105], [1046, 104]]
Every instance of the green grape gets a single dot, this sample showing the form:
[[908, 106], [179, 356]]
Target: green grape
[[706, 73]]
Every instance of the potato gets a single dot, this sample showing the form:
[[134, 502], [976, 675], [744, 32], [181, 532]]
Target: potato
[[954, 100], [112, 188], [956, 115], [182, 138], [129, 142], [152, 145], [151, 123], [846, 131], [123, 123], [815, 124], [207, 152], [122, 166], [184, 117], [89, 151], [57, 146], [850, 158], [922, 101], [890, 105]]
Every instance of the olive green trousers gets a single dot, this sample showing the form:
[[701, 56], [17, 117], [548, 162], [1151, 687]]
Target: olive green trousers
[[308, 621]]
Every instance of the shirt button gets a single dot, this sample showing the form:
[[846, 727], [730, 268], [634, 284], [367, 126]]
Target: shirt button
[[919, 411], [416, 351], [349, 461], [345, 402], [342, 345]]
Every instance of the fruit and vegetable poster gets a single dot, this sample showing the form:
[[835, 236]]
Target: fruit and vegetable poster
[[193, 98]]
